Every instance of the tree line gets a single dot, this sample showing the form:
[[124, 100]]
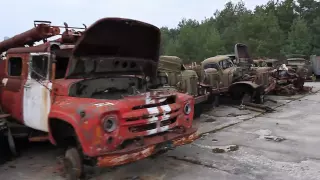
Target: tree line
[[272, 30]]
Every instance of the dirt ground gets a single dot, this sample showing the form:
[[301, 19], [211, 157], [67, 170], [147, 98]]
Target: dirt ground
[[235, 145]]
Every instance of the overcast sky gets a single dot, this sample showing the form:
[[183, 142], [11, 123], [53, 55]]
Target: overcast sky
[[18, 15]]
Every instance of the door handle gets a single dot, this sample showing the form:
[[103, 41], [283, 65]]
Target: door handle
[[27, 86]]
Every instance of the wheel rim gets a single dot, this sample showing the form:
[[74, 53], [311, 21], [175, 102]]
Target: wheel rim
[[73, 164], [69, 170]]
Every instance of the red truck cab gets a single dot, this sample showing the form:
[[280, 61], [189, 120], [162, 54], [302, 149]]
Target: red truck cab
[[93, 97]]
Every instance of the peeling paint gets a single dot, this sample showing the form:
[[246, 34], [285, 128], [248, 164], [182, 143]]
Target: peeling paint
[[124, 158]]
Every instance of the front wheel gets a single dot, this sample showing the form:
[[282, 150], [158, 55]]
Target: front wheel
[[241, 94], [246, 97], [258, 97], [73, 164]]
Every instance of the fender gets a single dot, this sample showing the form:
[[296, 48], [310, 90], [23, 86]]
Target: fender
[[63, 116], [258, 90], [247, 83], [78, 128]]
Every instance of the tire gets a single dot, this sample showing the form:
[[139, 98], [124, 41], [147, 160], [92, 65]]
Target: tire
[[246, 97], [12, 144], [241, 94], [4, 148], [197, 110], [258, 97], [216, 101], [73, 164]]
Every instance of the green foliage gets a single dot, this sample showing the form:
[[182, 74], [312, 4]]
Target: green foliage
[[299, 38], [271, 30], [315, 29]]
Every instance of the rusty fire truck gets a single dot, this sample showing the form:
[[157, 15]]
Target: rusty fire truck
[[90, 92]]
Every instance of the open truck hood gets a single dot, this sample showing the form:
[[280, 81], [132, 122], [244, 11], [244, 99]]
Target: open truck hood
[[242, 53], [116, 46]]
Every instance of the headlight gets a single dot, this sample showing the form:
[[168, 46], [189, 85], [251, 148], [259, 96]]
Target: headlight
[[110, 123], [187, 109]]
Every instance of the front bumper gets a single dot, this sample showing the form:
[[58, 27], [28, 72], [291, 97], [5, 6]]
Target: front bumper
[[152, 146]]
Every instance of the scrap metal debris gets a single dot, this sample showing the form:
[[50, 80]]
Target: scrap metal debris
[[210, 120], [274, 138], [258, 106], [266, 134], [203, 136], [285, 81], [219, 149], [225, 149], [145, 177]]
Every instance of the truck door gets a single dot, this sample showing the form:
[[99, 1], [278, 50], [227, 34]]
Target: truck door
[[36, 98], [216, 76], [225, 74], [12, 82]]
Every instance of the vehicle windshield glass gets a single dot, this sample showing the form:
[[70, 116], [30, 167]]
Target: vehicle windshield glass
[[296, 62], [229, 63], [212, 65]]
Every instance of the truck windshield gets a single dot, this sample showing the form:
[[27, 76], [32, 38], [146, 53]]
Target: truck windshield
[[212, 65], [296, 62], [39, 65]]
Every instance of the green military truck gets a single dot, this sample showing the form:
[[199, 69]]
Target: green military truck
[[301, 65], [235, 75], [173, 74]]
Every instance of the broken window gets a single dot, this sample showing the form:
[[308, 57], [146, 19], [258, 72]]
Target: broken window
[[61, 67], [39, 67], [212, 65], [228, 63], [15, 66]]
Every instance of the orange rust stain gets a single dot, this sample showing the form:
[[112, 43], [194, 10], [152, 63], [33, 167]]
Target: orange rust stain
[[115, 160], [39, 139], [185, 140], [98, 136]]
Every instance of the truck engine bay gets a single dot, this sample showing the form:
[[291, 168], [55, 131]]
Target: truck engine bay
[[115, 87]]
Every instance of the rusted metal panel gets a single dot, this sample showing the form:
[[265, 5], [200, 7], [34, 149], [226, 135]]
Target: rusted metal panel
[[38, 139], [37, 33], [12, 88], [174, 140], [136, 39], [132, 123], [38, 49]]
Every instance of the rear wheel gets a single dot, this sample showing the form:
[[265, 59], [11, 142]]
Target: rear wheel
[[7, 142], [4, 148]]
